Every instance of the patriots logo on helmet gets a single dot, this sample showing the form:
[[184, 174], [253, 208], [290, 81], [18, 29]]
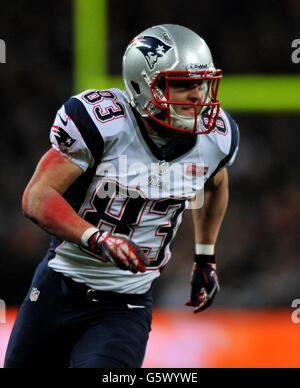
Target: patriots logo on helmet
[[152, 49], [64, 140]]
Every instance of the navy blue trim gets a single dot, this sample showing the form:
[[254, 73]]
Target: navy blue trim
[[234, 144], [54, 243], [76, 193], [176, 147], [76, 110], [91, 135]]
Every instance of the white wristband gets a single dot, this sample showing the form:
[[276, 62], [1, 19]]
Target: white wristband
[[87, 234], [205, 249]]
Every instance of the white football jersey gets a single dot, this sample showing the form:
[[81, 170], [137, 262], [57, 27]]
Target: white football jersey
[[130, 185]]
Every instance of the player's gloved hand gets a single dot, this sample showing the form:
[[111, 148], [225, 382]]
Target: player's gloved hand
[[118, 249], [204, 282]]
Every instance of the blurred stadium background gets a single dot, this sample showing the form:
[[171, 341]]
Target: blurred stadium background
[[57, 48]]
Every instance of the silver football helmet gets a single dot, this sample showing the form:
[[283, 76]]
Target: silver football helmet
[[166, 55]]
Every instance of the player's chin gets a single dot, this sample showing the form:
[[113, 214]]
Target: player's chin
[[186, 111]]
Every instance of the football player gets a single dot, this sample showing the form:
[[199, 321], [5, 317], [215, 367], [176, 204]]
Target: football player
[[123, 167]]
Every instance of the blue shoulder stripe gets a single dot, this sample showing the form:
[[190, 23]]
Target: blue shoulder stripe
[[87, 128], [233, 146], [235, 137]]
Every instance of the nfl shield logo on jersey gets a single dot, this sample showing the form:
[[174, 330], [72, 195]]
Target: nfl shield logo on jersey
[[34, 294]]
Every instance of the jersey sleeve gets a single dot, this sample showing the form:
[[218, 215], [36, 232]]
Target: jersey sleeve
[[235, 138], [75, 135], [230, 143]]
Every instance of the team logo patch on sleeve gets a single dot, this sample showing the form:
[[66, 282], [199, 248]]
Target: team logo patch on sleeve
[[152, 48], [64, 140]]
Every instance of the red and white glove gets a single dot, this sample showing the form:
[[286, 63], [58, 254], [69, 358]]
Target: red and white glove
[[118, 249], [204, 282]]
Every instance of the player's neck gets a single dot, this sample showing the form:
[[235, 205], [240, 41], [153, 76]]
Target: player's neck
[[156, 129]]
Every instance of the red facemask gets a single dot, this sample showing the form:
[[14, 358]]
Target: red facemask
[[206, 112]]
